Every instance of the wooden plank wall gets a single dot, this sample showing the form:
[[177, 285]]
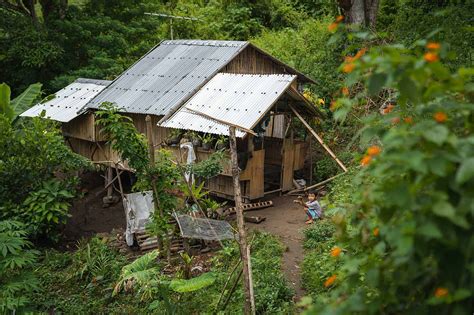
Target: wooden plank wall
[[251, 61], [81, 127], [276, 126], [287, 165]]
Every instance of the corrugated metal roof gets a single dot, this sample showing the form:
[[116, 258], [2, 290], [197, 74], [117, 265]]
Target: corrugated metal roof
[[168, 75], [69, 100], [240, 99]]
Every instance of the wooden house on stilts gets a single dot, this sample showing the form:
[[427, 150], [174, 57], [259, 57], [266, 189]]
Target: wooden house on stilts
[[202, 86]]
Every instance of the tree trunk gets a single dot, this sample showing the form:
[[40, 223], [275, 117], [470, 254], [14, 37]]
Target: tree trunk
[[244, 253], [360, 12]]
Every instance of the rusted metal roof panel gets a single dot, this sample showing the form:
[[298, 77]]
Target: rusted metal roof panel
[[68, 101], [239, 99], [168, 75]]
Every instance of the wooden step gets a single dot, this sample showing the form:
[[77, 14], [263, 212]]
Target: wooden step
[[251, 206]]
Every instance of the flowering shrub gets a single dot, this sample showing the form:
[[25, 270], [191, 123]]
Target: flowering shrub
[[411, 220]]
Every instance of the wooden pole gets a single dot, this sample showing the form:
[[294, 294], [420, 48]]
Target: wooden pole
[[310, 161], [248, 309], [109, 182], [320, 140], [149, 135]]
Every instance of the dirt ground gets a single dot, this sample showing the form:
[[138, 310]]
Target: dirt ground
[[286, 220], [88, 216]]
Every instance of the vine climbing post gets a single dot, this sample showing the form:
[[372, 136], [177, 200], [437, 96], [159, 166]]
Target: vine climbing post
[[249, 305]]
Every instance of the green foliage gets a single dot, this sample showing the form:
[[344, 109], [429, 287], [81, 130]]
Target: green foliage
[[123, 136], [12, 108], [33, 151], [81, 281], [325, 167], [193, 284], [412, 214], [47, 208], [16, 258], [272, 293], [95, 262], [318, 233], [140, 275], [210, 167]]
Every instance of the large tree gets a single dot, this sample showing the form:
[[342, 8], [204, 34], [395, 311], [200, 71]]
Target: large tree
[[362, 12]]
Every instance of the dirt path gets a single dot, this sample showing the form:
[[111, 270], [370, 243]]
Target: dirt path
[[286, 220]]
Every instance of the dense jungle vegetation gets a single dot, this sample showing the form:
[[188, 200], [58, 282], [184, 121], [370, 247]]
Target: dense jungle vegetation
[[398, 237]]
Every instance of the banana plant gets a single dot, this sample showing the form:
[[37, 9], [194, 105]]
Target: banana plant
[[13, 108]]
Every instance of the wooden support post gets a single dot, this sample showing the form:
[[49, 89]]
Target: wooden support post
[[244, 253], [250, 145], [149, 135], [320, 140], [310, 161], [109, 181]]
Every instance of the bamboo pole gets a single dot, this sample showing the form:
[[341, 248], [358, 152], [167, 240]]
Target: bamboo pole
[[248, 286], [320, 140]]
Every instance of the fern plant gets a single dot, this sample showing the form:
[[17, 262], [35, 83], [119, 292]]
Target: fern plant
[[16, 257]]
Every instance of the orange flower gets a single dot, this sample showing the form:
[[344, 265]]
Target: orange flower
[[336, 251], [339, 18], [440, 117], [366, 160], [431, 57], [395, 120], [360, 53], [374, 150], [348, 59], [441, 292], [348, 67], [388, 109], [376, 232], [345, 91], [333, 26], [329, 281], [433, 46], [408, 120], [333, 106]]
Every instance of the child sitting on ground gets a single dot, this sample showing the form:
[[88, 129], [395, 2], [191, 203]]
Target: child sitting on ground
[[312, 208]]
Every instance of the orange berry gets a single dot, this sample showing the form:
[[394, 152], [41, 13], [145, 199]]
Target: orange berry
[[441, 292], [374, 150], [336, 251], [345, 91], [348, 67], [329, 281], [431, 57], [339, 18], [366, 160], [433, 46], [440, 117], [395, 120], [376, 232], [408, 120], [333, 26]]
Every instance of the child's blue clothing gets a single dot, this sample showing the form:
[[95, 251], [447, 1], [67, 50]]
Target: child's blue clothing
[[314, 209]]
